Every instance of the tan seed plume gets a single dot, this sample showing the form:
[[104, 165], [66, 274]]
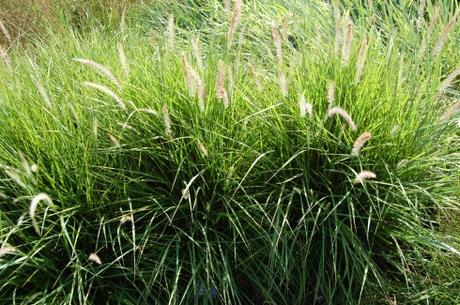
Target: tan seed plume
[[361, 60], [347, 40], [221, 92], [95, 128], [234, 22], [202, 148], [123, 60], [194, 83], [42, 91], [33, 207], [95, 258], [277, 41], [171, 33], [101, 69], [305, 107], [7, 250], [450, 111], [167, 121], [421, 12], [256, 77], [106, 91], [197, 53], [283, 83], [445, 34], [5, 33], [13, 175], [338, 21], [434, 20], [4, 56], [449, 79], [359, 143], [363, 176], [343, 114], [114, 140]]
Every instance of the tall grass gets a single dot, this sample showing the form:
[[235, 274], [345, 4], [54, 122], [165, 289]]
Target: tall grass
[[182, 171]]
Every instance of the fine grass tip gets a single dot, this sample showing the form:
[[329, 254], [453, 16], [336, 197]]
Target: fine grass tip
[[33, 207], [100, 69], [359, 143], [342, 113], [95, 258], [107, 92], [363, 176], [305, 107]]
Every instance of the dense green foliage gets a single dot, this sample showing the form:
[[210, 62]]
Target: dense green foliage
[[150, 190]]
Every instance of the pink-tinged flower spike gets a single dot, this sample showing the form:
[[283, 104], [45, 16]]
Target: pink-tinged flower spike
[[363, 176], [359, 143], [342, 113], [305, 107]]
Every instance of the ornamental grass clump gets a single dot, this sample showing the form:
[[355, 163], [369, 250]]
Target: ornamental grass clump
[[214, 185]]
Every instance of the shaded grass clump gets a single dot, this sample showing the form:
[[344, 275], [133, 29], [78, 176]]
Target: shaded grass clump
[[207, 172]]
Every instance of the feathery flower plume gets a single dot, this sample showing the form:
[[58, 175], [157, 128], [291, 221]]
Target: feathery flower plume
[[123, 19], [101, 69], [363, 176], [347, 40], [171, 34], [202, 148], [361, 59], [277, 40], [234, 22], [42, 91], [421, 12], [26, 165], [4, 56], [189, 79], [194, 83], [221, 92], [256, 76], [449, 79], [337, 17], [342, 113], [5, 33], [331, 94], [445, 34], [197, 53], [7, 250], [95, 258], [114, 140], [126, 218], [283, 83], [305, 107], [227, 5], [33, 206], [359, 143], [95, 127], [13, 176], [123, 60], [427, 36], [167, 121], [106, 91], [450, 111]]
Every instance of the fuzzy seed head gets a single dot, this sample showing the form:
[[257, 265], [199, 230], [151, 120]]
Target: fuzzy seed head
[[7, 250], [114, 140], [343, 114], [107, 92], [126, 218], [359, 143], [4, 56], [421, 11], [33, 207], [338, 18], [100, 69], [361, 59], [202, 148], [449, 79], [444, 36], [256, 77], [305, 107], [347, 40], [171, 32], [450, 111], [277, 40], [167, 121], [13, 175], [5, 33], [234, 22], [95, 258], [123, 60], [363, 176], [221, 92], [283, 84], [197, 53], [42, 92]]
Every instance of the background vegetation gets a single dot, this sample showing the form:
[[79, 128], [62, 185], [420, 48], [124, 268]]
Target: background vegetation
[[219, 152]]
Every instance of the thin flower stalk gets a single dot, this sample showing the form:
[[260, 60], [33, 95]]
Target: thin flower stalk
[[359, 143], [343, 114]]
